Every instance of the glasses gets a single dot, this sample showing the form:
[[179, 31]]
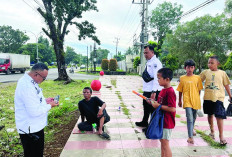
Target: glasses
[[44, 78]]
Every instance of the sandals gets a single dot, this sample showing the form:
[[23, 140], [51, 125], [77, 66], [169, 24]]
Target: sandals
[[223, 142], [212, 136], [190, 140], [104, 135]]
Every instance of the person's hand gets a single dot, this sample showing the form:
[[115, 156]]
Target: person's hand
[[49, 100], [100, 113], [153, 96], [230, 99], [54, 104], [149, 100], [180, 104], [155, 104]]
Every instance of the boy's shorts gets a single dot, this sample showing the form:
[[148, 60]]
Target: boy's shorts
[[217, 108], [167, 133]]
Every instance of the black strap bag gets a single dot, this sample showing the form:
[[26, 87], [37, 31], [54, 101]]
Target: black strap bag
[[146, 77], [229, 110]]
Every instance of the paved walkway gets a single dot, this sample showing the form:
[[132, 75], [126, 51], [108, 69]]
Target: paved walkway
[[127, 140]]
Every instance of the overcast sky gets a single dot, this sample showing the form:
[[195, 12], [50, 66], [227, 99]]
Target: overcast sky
[[115, 18]]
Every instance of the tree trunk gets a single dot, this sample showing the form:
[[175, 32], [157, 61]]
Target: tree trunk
[[62, 73]]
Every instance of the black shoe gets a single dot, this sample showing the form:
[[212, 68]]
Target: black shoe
[[141, 124], [144, 130]]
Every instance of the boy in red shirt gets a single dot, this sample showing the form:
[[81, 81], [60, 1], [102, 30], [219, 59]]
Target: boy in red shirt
[[166, 98]]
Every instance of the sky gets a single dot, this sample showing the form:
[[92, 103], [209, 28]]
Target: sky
[[115, 19]]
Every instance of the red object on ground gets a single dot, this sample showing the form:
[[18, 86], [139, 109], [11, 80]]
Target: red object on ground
[[96, 85], [101, 73]]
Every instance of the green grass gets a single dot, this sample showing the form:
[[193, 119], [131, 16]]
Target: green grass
[[124, 108], [88, 73], [113, 82], [73, 91], [210, 141], [184, 122], [178, 116], [140, 90]]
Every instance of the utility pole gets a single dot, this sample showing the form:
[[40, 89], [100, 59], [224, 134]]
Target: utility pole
[[87, 61], [95, 57], [144, 30], [91, 56], [116, 45]]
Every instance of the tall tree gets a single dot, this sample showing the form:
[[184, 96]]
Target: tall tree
[[11, 40], [120, 56], [101, 54], [46, 52], [58, 15], [198, 38], [163, 19], [71, 56], [129, 51]]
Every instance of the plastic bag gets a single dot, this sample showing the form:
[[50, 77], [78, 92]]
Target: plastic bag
[[200, 113]]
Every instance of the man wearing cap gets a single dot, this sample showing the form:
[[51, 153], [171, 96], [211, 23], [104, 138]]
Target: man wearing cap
[[151, 87]]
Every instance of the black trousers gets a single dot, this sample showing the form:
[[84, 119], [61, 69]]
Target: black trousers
[[148, 108], [32, 147]]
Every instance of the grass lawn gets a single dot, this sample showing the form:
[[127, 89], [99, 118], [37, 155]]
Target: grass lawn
[[70, 95]]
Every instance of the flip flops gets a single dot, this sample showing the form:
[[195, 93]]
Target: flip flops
[[212, 136], [104, 135], [223, 142]]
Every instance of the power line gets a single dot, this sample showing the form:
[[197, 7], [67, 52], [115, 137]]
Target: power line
[[204, 4]]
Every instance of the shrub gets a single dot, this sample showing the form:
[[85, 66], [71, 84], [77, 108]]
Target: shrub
[[113, 65], [105, 64], [136, 62]]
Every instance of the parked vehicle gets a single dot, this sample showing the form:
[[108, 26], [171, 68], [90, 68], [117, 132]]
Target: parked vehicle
[[10, 63]]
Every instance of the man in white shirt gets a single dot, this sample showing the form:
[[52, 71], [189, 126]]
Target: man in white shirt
[[151, 87], [31, 110]]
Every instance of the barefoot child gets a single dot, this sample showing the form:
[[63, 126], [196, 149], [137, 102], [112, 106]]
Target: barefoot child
[[166, 98], [190, 86], [215, 81]]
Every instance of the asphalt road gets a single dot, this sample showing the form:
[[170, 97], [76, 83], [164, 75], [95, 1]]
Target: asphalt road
[[52, 74]]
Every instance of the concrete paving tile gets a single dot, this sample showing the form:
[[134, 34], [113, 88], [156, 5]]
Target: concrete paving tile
[[119, 116], [141, 136], [85, 137], [148, 143], [72, 153], [132, 136], [152, 152], [202, 151], [94, 153], [119, 125], [113, 153], [131, 144], [134, 152]]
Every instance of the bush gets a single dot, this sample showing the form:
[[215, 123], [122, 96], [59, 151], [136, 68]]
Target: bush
[[105, 64], [113, 65], [136, 62]]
